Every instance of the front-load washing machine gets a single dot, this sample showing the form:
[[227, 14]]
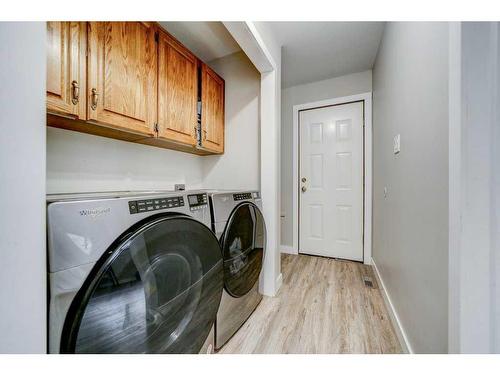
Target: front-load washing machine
[[238, 222], [132, 273]]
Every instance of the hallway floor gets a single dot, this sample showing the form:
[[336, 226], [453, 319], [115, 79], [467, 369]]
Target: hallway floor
[[323, 306]]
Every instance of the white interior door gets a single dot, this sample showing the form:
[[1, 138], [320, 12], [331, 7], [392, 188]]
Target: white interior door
[[331, 181]]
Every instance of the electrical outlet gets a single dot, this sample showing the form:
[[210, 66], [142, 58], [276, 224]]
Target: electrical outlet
[[397, 144], [180, 187]]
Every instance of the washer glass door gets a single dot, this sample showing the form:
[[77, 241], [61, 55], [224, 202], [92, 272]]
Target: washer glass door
[[157, 291], [243, 244]]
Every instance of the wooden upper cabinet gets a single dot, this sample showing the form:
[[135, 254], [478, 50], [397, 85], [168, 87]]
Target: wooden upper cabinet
[[66, 68], [177, 91], [212, 112], [122, 75], [132, 81]]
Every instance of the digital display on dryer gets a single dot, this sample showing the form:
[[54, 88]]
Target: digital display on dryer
[[197, 201]]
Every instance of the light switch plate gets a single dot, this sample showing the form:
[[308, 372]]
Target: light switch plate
[[397, 144]]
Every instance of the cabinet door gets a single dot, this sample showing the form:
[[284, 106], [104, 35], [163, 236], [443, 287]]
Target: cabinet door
[[212, 112], [122, 75], [177, 91], [66, 68]]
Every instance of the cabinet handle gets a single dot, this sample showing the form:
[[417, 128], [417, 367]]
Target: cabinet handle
[[95, 97], [75, 92]]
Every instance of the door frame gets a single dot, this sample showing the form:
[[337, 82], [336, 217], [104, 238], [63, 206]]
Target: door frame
[[261, 49], [366, 98]]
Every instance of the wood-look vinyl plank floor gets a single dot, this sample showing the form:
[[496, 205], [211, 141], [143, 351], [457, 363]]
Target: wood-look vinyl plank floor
[[323, 306]]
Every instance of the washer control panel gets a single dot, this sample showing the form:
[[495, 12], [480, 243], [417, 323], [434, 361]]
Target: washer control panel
[[153, 204], [242, 196], [197, 201]]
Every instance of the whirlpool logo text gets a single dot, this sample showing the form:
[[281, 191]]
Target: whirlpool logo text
[[94, 212]]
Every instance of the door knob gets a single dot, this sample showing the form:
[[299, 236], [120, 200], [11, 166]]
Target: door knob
[[304, 189]]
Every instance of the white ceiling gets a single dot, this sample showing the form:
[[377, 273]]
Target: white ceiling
[[313, 51], [207, 40]]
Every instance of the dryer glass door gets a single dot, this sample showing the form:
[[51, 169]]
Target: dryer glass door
[[243, 246], [156, 291]]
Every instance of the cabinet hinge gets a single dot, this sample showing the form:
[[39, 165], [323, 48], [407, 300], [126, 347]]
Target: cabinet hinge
[[156, 128]]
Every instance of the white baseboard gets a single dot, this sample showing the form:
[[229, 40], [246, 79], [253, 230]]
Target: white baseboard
[[278, 283], [271, 291], [398, 327], [288, 250]]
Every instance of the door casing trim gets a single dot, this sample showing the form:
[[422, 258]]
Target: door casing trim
[[366, 98]]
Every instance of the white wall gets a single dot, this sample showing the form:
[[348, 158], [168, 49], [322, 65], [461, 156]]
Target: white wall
[[410, 225], [270, 153], [475, 184], [495, 193], [239, 166], [78, 162], [263, 49], [22, 191], [326, 89]]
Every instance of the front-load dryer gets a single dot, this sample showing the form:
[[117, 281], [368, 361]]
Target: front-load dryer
[[239, 225], [132, 273]]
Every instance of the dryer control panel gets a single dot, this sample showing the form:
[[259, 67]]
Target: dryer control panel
[[197, 201], [153, 204], [242, 196]]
